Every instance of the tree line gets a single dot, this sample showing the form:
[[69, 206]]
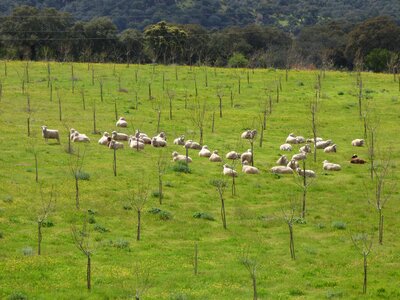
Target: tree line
[[48, 34]]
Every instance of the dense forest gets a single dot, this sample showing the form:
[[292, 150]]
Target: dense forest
[[47, 33], [290, 16]]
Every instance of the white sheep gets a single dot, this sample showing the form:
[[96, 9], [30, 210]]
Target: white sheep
[[357, 143], [136, 143], [306, 173], [331, 166], [104, 139], [215, 157], [293, 164], [162, 135], [205, 152], [192, 145], [330, 149], [323, 144], [117, 136], [144, 137], [311, 140], [71, 133], [50, 134], [246, 156], [249, 134], [285, 147], [299, 156], [232, 155], [291, 139], [121, 122], [282, 161], [180, 140], [281, 170], [158, 142], [80, 138], [115, 145], [179, 157], [300, 139], [249, 169], [306, 148], [228, 171]]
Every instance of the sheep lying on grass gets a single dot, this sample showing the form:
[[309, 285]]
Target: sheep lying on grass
[[356, 160], [50, 134], [249, 134], [232, 155], [136, 143], [80, 138], [228, 171], [215, 157], [192, 145], [180, 140], [249, 169], [158, 142], [115, 145], [293, 164], [285, 147], [357, 143], [144, 137], [246, 156], [104, 139], [306, 148], [291, 139], [281, 170], [330, 149], [306, 173], [178, 157], [299, 156], [121, 122], [117, 136], [331, 166], [323, 144], [282, 161], [204, 152]]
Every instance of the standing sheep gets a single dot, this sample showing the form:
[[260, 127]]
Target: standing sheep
[[50, 134]]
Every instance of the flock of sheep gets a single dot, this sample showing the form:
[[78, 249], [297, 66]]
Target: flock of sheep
[[284, 165]]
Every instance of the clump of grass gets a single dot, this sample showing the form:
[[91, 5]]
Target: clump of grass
[[17, 296], [296, 292], [163, 214], [181, 167], [101, 228], [339, 225], [121, 244], [8, 199], [47, 223], [1, 235], [92, 220], [178, 296], [127, 206], [27, 251], [91, 211], [82, 175], [299, 220], [155, 194], [300, 83], [320, 225], [340, 93], [334, 294], [168, 184], [203, 215]]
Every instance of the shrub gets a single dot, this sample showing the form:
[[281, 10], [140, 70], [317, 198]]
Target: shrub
[[155, 194], [334, 294], [47, 223], [81, 175], [296, 292], [8, 198], [121, 244], [182, 167], [127, 206], [91, 211], [339, 225], [92, 220], [299, 220], [340, 93], [17, 296], [101, 228], [377, 60], [27, 251], [238, 60], [168, 184], [163, 214], [203, 215]]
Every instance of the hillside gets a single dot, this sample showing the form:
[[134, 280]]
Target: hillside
[[339, 205], [289, 15]]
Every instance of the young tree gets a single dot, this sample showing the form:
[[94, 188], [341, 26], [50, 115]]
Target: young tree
[[46, 208], [314, 122], [304, 182], [75, 165], [288, 217], [81, 240], [198, 116], [171, 95], [143, 282], [220, 186], [138, 199], [251, 265], [161, 167], [363, 243]]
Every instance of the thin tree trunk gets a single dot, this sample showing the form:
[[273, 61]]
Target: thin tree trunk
[[160, 188], [292, 253], [380, 226], [223, 213], [88, 272], [94, 117], [196, 253], [213, 122], [36, 168], [76, 191], [39, 237], [252, 151], [29, 127], [233, 186], [115, 160], [138, 225], [254, 287], [365, 274], [220, 106]]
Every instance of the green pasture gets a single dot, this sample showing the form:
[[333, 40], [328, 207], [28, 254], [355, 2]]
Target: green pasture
[[327, 264]]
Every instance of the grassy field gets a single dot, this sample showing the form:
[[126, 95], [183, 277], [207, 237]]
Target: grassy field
[[327, 264]]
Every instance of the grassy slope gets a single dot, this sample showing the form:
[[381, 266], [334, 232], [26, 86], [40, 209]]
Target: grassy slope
[[327, 263]]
